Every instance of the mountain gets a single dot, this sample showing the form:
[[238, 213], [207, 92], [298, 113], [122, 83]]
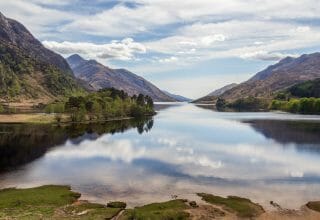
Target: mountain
[[100, 76], [211, 97], [29, 71], [179, 98], [222, 90], [277, 77]]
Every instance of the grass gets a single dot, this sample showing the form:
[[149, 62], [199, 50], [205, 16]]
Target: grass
[[315, 205], [44, 118], [27, 118], [50, 202], [241, 206], [173, 210]]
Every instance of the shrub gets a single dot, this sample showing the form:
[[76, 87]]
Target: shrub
[[119, 205]]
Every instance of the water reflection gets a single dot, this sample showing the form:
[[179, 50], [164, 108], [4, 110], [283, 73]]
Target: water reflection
[[286, 132], [21, 144], [188, 150]]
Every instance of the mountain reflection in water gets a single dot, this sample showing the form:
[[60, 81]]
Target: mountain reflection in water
[[261, 156], [21, 144], [304, 133]]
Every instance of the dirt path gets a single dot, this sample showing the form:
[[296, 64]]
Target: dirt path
[[117, 217]]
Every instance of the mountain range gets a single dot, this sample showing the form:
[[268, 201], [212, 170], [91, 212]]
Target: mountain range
[[280, 76], [99, 76], [178, 98], [29, 71], [211, 97]]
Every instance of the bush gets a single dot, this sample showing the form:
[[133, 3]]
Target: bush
[[250, 103], [221, 103], [55, 108], [119, 205]]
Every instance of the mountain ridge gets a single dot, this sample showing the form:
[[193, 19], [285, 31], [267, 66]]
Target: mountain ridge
[[211, 97], [179, 98], [100, 76], [28, 70], [287, 72]]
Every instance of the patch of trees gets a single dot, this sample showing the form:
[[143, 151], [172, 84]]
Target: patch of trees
[[301, 98], [243, 104], [306, 89], [303, 105], [104, 104]]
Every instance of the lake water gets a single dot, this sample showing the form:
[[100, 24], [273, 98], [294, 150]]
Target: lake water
[[184, 149]]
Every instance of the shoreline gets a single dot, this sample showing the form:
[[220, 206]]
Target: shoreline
[[45, 118], [60, 201]]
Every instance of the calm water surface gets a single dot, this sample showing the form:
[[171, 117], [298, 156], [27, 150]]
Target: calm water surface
[[184, 149]]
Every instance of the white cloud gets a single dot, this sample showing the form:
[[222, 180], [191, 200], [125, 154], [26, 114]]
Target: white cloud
[[175, 34], [264, 55], [121, 21], [40, 20], [122, 50], [148, 15], [265, 40], [169, 60]]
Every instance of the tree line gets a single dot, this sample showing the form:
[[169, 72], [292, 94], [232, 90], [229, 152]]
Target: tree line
[[103, 105], [303, 105]]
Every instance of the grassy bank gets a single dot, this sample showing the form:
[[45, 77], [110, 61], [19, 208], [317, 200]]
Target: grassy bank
[[43, 118], [174, 209], [38, 118], [50, 202], [241, 206], [59, 202]]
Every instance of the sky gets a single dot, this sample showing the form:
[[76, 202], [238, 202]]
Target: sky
[[186, 47]]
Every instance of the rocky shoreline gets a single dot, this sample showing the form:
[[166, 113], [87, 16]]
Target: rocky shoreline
[[59, 202]]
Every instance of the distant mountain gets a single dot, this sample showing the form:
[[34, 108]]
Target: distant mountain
[[100, 76], [179, 98], [29, 71], [222, 90], [282, 75], [211, 97]]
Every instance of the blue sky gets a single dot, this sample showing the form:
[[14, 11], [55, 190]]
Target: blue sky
[[184, 46]]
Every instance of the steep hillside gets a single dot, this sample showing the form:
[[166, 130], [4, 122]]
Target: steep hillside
[[100, 76], [29, 71], [212, 97], [179, 98], [282, 75]]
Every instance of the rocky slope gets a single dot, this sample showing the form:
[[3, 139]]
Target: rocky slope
[[100, 76], [282, 75], [179, 98], [211, 97], [29, 71]]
